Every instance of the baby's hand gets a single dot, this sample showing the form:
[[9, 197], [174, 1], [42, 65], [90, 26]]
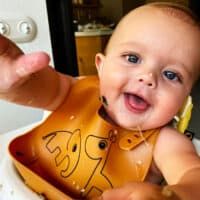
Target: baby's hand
[[16, 67], [139, 191]]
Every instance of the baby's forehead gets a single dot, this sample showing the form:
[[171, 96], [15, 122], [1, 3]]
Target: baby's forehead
[[179, 13]]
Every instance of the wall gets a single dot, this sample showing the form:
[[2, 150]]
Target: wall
[[194, 123], [112, 9], [184, 2], [130, 4], [13, 116]]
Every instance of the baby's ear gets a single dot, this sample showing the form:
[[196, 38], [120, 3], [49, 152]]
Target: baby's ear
[[99, 62]]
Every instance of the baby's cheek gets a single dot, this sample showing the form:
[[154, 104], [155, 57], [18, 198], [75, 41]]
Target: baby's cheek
[[167, 112]]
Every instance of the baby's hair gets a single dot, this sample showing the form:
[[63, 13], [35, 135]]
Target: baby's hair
[[177, 10]]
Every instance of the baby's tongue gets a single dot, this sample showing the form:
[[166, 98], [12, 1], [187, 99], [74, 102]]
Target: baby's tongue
[[137, 102]]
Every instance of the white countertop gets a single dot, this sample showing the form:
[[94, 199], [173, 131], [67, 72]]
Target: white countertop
[[93, 33]]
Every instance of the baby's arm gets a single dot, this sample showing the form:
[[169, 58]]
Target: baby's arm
[[177, 159], [28, 79]]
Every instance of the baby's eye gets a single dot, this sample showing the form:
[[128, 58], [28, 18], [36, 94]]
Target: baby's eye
[[133, 58], [171, 76]]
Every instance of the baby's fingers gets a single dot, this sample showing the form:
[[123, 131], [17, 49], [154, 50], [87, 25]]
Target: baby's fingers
[[30, 63], [139, 191], [15, 67], [16, 71]]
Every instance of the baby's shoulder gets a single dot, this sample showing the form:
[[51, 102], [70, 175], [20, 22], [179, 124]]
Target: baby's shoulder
[[172, 135], [174, 154], [170, 141]]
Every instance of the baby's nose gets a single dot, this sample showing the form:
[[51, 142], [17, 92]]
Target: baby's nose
[[147, 79]]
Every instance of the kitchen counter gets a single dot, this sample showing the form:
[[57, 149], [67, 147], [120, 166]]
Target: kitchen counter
[[93, 33]]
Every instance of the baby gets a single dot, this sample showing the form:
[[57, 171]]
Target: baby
[[149, 67]]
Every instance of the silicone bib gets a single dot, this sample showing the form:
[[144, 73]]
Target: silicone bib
[[77, 154]]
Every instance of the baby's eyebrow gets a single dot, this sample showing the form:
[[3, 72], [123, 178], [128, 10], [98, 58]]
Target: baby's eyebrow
[[132, 44], [189, 72], [184, 67]]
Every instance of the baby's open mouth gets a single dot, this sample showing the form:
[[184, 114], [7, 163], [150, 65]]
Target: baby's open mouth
[[135, 102]]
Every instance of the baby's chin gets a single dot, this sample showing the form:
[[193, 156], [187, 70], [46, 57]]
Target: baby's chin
[[136, 126], [130, 125], [136, 123]]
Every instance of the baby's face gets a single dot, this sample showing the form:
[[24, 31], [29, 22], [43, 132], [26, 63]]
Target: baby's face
[[150, 66]]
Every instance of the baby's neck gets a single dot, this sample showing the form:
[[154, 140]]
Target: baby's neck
[[104, 115]]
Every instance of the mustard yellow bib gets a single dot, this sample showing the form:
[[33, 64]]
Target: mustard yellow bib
[[77, 154]]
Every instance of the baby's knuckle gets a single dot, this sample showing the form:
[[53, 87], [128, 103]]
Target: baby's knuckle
[[135, 196]]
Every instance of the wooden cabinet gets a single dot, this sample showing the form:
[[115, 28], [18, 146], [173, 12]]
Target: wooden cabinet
[[86, 10], [86, 48]]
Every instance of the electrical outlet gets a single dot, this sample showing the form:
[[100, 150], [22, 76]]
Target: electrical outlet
[[4, 28], [18, 28]]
